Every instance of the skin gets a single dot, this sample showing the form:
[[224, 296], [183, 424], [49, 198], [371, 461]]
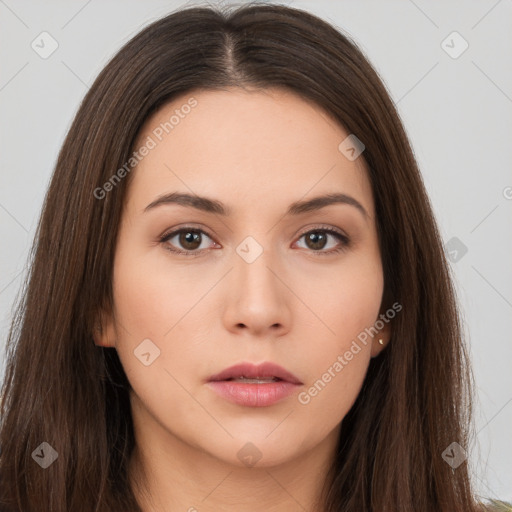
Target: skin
[[257, 152]]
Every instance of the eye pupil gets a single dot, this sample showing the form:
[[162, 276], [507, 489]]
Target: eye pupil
[[190, 237], [315, 237], [190, 240]]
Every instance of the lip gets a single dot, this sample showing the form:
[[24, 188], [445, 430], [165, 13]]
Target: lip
[[253, 371], [254, 394]]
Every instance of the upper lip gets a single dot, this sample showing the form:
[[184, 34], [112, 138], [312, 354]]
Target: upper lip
[[253, 371]]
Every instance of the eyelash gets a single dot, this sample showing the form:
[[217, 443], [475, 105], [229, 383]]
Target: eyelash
[[345, 241]]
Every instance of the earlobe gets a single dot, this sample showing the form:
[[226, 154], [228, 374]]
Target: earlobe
[[103, 332], [381, 340]]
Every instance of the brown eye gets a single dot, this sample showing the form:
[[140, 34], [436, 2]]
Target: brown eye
[[190, 240], [187, 240], [316, 240]]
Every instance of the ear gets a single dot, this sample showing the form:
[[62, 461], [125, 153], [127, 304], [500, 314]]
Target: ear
[[384, 334], [104, 334]]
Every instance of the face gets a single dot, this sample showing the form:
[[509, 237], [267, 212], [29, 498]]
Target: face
[[245, 278]]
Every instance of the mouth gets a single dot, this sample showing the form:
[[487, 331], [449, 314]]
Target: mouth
[[252, 385], [257, 380], [249, 373]]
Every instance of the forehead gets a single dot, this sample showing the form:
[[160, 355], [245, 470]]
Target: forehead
[[246, 147]]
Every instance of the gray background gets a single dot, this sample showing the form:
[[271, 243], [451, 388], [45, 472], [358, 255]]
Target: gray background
[[457, 111]]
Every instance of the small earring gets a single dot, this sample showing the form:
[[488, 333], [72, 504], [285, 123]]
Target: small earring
[[381, 341]]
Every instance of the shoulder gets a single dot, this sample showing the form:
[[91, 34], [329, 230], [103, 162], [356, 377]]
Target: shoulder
[[495, 506]]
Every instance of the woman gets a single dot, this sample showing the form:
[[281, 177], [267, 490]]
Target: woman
[[238, 298]]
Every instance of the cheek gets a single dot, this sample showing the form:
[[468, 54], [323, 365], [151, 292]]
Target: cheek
[[338, 347], [346, 302], [140, 303], [150, 299], [150, 304]]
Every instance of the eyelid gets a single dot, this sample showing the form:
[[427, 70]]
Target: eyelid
[[323, 227], [171, 233], [177, 229]]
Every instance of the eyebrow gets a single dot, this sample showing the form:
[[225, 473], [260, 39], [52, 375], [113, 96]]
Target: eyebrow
[[213, 206]]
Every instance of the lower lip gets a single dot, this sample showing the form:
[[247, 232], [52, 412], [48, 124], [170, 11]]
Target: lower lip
[[253, 395]]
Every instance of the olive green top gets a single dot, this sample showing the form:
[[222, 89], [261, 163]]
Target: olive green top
[[498, 506]]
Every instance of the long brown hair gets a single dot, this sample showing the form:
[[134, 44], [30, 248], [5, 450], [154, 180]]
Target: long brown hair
[[62, 389]]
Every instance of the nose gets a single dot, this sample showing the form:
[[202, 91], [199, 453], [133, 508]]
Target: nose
[[257, 298]]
